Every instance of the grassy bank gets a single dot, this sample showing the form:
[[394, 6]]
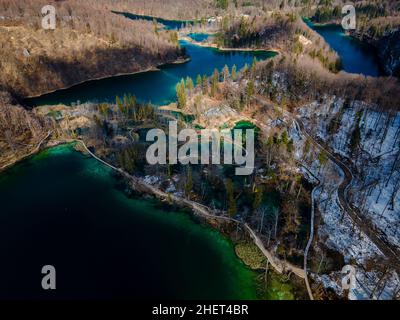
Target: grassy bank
[[275, 286]]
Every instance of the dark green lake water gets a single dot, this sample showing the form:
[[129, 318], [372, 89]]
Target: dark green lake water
[[356, 57], [157, 87], [200, 37], [65, 209], [168, 24]]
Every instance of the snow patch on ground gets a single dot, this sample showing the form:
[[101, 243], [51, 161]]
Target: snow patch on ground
[[375, 157], [376, 164]]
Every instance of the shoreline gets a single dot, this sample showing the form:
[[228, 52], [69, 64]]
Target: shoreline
[[354, 36], [200, 210], [227, 49], [149, 69], [332, 22], [33, 152], [144, 16], [197, 209], [181, 60]]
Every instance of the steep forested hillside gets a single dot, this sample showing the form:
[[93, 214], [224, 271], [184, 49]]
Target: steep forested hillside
[[276, 31], [340, 131], [378, 23], [89, 42], [302, 81], [20, 131]]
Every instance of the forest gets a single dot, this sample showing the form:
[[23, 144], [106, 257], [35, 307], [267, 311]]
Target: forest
[[20, 130], [310, 120], [305, 81], [282, 32], [88, 38], [353, 117]]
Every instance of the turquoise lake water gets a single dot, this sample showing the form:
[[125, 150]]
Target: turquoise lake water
[[65, 209], [168, 24], [199, 37], [356, 57], [157, 87]]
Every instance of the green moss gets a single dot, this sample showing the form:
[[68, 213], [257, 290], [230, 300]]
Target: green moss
[[278, 287], [250, 255], [244, 125]]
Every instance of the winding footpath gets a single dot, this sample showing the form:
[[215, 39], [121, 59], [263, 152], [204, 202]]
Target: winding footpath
[[203, 211], [310, 240], [354, 213], [311, 236], [391, 252], [32, 152]]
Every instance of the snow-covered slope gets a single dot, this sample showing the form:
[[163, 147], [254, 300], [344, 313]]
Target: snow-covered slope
[[369, 141]]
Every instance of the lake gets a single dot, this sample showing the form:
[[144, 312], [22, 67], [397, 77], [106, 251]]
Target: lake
[[356, 56], [66, 209], [199, 37], [168, 24], [157, 87]]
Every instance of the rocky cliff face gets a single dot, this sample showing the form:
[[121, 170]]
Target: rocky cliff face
[[389, 52], [388, 49]]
